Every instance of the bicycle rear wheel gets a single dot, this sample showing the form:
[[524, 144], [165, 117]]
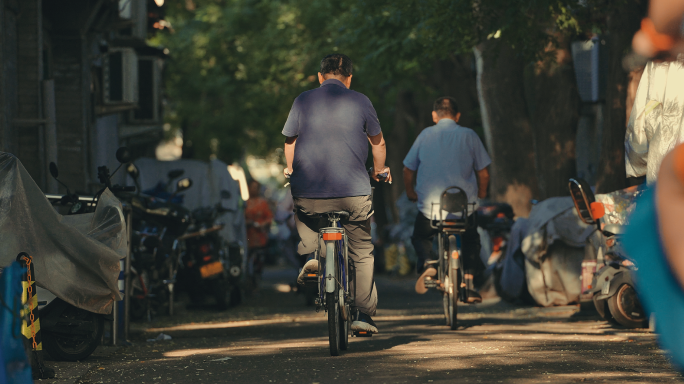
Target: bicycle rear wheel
[[345, 329], [454, 283], [446, 299], [333, 323], [443, 276], [453, 298]]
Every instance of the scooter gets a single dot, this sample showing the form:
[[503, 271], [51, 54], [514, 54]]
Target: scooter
[[71, 333], [211, 266], [612, 287]]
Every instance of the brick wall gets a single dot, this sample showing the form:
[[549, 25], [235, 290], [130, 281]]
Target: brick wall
[[29, 147], [71, 126]]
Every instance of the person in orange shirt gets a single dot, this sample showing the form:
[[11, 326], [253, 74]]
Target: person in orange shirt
[[258, 217]]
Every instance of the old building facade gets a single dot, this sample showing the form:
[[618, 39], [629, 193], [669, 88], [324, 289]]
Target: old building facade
[[77, 80]]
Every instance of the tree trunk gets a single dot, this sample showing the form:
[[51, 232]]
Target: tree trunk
[[622, 24], [404, 130], [554, 103], [507, 127]]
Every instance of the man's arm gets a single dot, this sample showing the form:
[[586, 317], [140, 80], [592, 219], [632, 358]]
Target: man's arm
[[289, 154], [379, 155], [409, 182], [482, 182]]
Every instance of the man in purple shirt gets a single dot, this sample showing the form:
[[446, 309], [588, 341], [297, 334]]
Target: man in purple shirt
[[330, 127]]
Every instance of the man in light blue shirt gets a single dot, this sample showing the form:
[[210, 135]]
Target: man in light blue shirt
[[446, 155]]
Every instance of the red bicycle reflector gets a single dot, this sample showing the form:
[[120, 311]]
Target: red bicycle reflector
[[206, 258], [332, 236], [454, 255]]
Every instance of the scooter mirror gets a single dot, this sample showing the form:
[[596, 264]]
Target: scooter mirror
[[176, 173], [583, 198], [132, 170], [183, 184], [225, 194], [598, 210], [123, 155], [53, 169]]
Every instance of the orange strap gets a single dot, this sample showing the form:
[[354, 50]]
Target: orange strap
[[660, 41]]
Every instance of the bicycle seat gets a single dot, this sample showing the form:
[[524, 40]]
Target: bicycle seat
[[454, 200], [340, 214]]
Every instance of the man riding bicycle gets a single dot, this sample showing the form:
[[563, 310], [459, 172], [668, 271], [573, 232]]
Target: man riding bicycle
[[446, 155], [330, 127]]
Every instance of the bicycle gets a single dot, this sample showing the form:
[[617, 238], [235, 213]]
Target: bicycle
[[336, 292], [451, 279], [333, 280]]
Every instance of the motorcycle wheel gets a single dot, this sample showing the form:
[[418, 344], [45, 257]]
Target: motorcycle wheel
[[74, 347], [226, 294], [626, 309]]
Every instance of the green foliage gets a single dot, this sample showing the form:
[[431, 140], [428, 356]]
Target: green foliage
[[237, 65]]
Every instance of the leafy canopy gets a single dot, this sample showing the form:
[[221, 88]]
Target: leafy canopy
[[237, 65]]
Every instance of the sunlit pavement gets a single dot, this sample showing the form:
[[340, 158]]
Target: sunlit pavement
[[274, 338]]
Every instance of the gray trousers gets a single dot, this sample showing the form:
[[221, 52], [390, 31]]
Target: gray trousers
[[357, 228]]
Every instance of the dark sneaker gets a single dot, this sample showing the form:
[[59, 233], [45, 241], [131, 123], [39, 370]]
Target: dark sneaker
[[364, 323], [473, 296], [310, 268]]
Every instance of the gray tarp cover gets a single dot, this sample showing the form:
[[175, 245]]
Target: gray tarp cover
[[554, 241], [75, 257], [553, 249]]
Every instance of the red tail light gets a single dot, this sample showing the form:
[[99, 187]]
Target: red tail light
[[206, 258]]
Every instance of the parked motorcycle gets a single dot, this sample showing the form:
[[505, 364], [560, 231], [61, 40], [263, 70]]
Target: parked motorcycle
[[612, 286], [71, 333], [211, 267], [497, 220], [158, 223]]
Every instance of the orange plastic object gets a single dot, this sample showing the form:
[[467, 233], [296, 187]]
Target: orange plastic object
[[678, 162], [454, 254], [660, 41], [597, 210], [332, 236]]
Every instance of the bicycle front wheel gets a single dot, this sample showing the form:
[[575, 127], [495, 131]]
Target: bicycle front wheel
[[453, 297], [333, 323]]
